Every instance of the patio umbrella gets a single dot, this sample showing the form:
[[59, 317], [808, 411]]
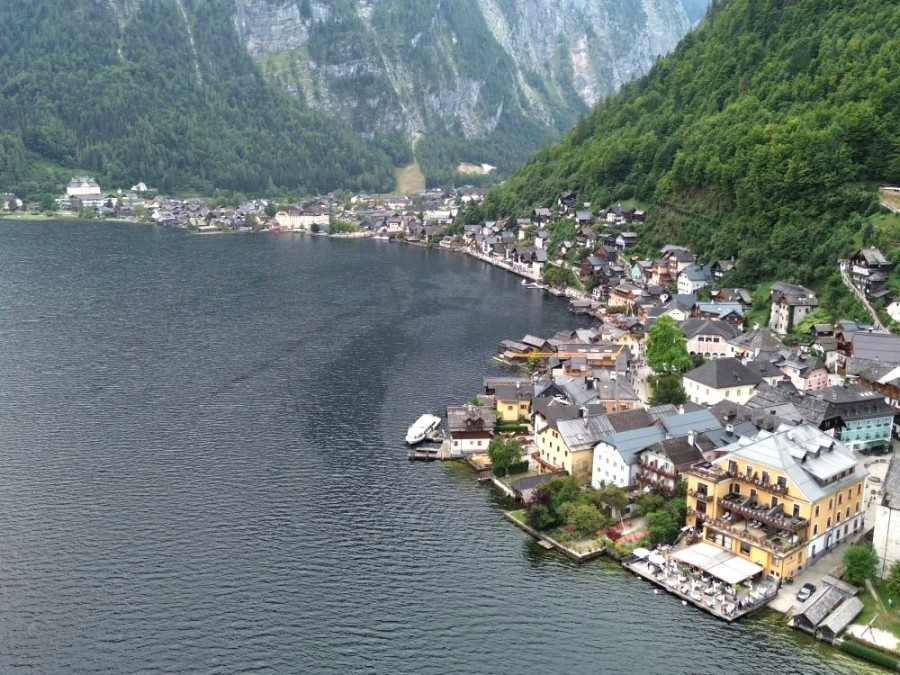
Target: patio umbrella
[[656, 559], [640, 553]]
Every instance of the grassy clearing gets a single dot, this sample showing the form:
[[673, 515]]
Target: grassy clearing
[[410, 179], [885, 618], [520, 516]]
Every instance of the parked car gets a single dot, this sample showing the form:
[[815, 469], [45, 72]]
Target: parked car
[[874, 480], [805, 591]]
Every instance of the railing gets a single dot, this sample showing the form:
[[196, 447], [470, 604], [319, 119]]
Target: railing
[[774, 488], [780, 521], [714, 474], [701, 495], [659, 471], [743, 534]]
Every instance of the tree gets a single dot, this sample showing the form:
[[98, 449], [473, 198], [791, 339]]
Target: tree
[[860, 561], [586, 519], [48, 204], [504, 451], [539, 517], [12, 205], [610, 497], [271, 209], [662, 527], [667, 389], [667, 347], [893, 580]]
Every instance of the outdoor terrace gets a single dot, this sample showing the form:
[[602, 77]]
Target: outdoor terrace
[[773, 516], [711, 473], [774, 488]]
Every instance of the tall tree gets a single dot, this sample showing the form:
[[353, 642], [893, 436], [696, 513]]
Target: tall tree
[[667, 347]]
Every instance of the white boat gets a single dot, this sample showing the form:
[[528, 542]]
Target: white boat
[[421, 428]]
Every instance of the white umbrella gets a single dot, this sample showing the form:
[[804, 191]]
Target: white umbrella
[[640, 553], [656, 559]]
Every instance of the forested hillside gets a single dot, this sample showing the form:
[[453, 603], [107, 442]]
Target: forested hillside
[[133, 95], [761, 137]]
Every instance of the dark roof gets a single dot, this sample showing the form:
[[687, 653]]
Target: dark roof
[[679, 451], [758, 340], [876, 346], [764, 368], [530, 482], [693, 327], [855, 402], [628, 420], [793, 294], [470, 418], [729, 412], [723, 373]]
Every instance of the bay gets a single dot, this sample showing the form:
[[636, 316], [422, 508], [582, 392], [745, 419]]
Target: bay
[[202, 470]]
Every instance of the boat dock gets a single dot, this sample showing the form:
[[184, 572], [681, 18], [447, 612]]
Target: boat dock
[[432, 453]]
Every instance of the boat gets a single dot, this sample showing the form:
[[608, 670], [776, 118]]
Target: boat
[[420, 429]]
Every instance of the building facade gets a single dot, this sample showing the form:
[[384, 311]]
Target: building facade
[[779, 500]]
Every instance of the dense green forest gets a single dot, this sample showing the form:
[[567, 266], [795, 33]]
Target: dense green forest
[[762, 137], [128, 97]]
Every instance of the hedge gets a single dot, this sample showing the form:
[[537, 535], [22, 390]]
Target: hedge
[[517, 467], [511, 426], [499, 471], [869, 654]]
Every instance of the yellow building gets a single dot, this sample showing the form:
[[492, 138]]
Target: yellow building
[[780, 500], [513, 401]]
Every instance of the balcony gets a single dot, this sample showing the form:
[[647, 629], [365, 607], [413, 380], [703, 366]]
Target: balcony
[[711, 473], [773, 488], [701, 495], [775, 544], [773, 516], [658, 471]]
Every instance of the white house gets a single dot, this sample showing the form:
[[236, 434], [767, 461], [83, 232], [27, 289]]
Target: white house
[[83, 186], [720, 380], [694, 277], [616, 457], [471, 428]]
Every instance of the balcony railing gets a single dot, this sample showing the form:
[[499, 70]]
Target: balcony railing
[[780, 519], [712, 473], [701, 495], [774, 544], [659, 471], [774, 488]]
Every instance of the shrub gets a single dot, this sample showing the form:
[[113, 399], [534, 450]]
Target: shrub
[[499, 471], [517, 467], [865, 652]]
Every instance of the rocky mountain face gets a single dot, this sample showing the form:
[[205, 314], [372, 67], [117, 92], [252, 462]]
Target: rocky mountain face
[[458, 66]]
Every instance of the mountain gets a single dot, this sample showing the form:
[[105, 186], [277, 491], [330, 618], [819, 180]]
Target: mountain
[[160, 91], [483, 81], [305, 95], [762, 137]]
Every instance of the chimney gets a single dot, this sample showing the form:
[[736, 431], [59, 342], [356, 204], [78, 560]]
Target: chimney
[[729, 429], [582, 412], [690, 438]]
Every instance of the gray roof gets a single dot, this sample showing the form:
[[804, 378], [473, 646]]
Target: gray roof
[[630, 420], [531, 482], [470, 418], [630, 443], [855, 402], [723, 373], [698, 422], [758, 340], [583, 433], [721, 437], [697, 273], [679, 451], [872, 256], [842, 616], [808, 457], [876, 346], [820, 604], [721, 308], [891, 488], [693, 327], [793, 295], [764, 368]]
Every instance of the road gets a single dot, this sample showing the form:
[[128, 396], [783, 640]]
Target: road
[[845, 277]]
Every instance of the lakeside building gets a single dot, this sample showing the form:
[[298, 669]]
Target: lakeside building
[[471, 428], [866, 420], [779, 500], [720, 379]]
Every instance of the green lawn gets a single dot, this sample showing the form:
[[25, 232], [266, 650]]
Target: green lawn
[[520, 516], [887, 619]]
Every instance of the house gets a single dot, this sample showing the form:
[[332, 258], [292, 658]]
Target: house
[[548, 413], [871, 346], [869, 270], [575, 443], [732, 312], [471, 428], [664, 461], [566, 200], [780, 500], [541, 215], [626, 240], [616, 457], [866, 420], [83, 186], [709, 337], [829, 600], [720, 379], [512, 397], [756, 343], [524, 488], [806, 372], [789, 306], [721, 267], [694, 277], [886, 536]]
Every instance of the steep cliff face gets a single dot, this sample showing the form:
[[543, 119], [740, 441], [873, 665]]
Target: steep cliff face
[[458, 67]]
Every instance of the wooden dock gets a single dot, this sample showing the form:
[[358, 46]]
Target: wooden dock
[[431, 453]]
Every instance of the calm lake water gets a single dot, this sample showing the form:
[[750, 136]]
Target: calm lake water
[[202, 469]]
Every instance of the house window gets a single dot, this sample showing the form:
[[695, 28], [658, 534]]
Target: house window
[[848, 512], [817, 511], [732, 466], [828, 523], [745, 548], [796, 511], [782, 481], [841, 498], [702, 488], [815, 530], [765, 477]]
